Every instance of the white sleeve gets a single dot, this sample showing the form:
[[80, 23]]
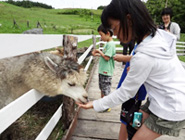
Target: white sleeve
[[176, 30], [140, 67]]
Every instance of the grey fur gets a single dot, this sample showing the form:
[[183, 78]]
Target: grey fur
[[21, 73]]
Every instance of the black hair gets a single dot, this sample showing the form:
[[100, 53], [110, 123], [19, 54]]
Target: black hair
[[142, 22], [167, 11], [105, 30]]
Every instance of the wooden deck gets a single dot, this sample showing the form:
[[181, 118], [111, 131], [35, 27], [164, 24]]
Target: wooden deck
[[90, 125]]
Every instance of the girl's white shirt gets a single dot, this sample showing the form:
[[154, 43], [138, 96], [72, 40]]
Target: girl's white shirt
[[157, 66]]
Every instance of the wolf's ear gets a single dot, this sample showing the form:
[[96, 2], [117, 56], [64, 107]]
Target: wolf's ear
[[52, 65]]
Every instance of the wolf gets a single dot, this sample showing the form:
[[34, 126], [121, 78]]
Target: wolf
[[48, 73]]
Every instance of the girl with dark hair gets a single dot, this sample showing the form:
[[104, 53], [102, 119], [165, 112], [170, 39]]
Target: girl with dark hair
[[155, 64], [167, 25]]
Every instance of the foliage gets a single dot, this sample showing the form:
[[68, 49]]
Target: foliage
[[28, 4], [155, 8], [101, 7]]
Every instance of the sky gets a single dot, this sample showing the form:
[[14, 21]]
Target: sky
[[59, 4], [89, 4]]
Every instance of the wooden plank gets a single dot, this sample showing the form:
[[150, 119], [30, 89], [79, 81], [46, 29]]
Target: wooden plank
[[97, 129], [90, 114], [83, 138]]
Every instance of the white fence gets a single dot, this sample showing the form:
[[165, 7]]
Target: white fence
[[16, 44], [180, 48]]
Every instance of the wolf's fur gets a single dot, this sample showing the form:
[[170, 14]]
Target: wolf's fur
[[45, 72]]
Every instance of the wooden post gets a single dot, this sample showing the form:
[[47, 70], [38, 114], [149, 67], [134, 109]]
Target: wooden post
[[38, 24], [94, 41], [70, 47], [28, 24], [101, 44], [70, 51], [15, 24]]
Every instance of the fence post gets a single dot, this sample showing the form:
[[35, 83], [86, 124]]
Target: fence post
[[94, 41], [70, 51], [101, 44]]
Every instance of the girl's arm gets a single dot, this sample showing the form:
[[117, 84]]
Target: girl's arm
[[122, 58]]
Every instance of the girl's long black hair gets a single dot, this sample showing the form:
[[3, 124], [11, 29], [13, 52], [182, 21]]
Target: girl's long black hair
[[142, 23]]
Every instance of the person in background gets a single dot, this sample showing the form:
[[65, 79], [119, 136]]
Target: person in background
[[129, 45], [168, 25], [155, 64], [106, 61]]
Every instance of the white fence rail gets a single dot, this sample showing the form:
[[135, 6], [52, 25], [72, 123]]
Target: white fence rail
[[17, 108], [17, 44], [180, 48]]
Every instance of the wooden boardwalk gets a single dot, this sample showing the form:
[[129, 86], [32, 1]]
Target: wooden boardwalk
[[91, 125]]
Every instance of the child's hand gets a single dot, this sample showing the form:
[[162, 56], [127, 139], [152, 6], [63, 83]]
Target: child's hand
[[93, 52], [118, 57], [85, 106], [96, 52]]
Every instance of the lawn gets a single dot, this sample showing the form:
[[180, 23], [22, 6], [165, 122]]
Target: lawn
[[53, 21]]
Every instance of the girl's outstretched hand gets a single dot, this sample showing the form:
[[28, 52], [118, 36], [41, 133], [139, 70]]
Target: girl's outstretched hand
[[85, 106]]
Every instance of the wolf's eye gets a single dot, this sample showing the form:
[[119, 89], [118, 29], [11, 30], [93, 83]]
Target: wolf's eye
[[73, 84]]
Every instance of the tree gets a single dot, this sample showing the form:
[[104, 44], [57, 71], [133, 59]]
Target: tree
[[155, 8], [101, 7]]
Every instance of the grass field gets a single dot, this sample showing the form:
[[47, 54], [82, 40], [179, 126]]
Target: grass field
[[53, 21]]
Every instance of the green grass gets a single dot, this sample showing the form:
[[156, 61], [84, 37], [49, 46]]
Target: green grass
[[85, 43], [52, 20], [182, 38], [182, 58]]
